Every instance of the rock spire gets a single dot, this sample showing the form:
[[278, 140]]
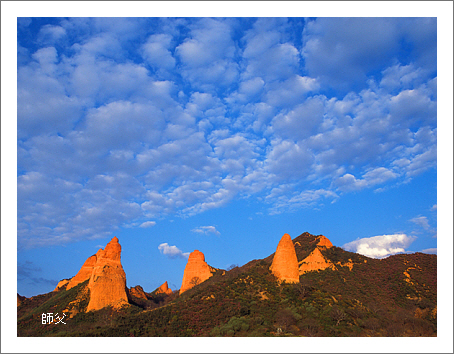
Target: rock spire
[[108, 280], [196, 271], [285, 263], [164, 289]]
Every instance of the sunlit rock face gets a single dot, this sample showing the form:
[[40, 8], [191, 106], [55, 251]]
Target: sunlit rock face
[[324, 242], [285, 263], [61, 284], [164, 289], [315, 261], [137, 291], [83, 274], [107, 283], [196, 271]]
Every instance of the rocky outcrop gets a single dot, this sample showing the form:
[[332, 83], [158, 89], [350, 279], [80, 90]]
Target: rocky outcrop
[[61, 284], [137, 291], [164, 289], [285, 263], [84, 272], [324, 242], [315, 261], [107, 283], [196, 271]]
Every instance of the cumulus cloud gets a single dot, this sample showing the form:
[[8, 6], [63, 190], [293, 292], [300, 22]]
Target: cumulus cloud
[[380, 246], [172, 251], [430, 251], [206, 230]]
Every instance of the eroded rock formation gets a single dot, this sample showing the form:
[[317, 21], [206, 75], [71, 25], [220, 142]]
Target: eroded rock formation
[[164, 289], [324, 242], [107, 283], [315, 261], [285, 263], [196, 271], [61, 284], [84, 272], [137, 291]]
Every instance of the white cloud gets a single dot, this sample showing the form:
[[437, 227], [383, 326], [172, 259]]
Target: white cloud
[[301, 122], [357, 45], [379, 175], [288, 160], [307, 198], [421, 221], [148, 224], [157, 53], [172, 251], [206, 230], [380, 246]]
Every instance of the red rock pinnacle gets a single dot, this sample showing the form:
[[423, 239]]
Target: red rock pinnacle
[[196, 271], [108, 280], [164, 289], [285, 263]]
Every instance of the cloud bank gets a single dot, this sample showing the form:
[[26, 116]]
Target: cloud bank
[[125, 120]]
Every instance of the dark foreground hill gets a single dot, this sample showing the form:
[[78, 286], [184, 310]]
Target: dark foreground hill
[[339, 294]]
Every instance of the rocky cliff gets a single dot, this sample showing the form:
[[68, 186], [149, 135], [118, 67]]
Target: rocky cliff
[[285, 263], [107, 283], [196, 271]]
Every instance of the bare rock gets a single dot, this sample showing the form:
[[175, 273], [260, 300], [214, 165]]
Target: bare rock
[[83, 274], [315, 261], [164, 289], [324, 242], [196, 271], [107, 283], [61, 284], [285, 263], [137, 291]]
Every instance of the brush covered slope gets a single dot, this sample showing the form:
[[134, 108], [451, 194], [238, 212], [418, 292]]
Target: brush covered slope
[[339, 293]]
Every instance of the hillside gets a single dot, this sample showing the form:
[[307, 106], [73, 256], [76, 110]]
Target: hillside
[[339, 293]]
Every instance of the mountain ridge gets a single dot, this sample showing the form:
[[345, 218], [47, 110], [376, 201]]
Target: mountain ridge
[[342, 294]]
